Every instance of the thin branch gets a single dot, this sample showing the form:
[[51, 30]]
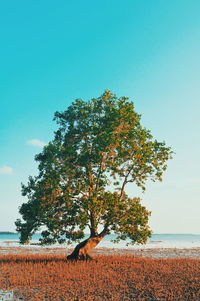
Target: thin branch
[[100, 170], [125, 182]]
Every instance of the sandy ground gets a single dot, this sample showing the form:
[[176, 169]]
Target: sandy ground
[[153, 253]]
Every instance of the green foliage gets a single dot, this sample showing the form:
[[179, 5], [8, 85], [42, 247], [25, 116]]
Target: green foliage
[[99, 143]]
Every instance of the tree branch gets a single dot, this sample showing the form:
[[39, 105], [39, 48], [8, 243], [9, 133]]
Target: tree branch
[[105, 230], [100, 169], [93, 230], [125, 182]]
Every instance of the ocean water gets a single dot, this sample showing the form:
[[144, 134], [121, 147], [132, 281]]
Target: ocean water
[[156, 241]]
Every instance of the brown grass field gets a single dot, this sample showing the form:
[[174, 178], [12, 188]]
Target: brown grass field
[[118, 277]]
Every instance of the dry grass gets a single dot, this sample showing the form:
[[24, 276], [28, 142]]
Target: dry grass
[[51, 277]]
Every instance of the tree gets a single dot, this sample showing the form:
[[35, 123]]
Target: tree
[[99, 147]]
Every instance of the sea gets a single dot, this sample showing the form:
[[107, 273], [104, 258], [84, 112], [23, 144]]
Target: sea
[[156, 241]]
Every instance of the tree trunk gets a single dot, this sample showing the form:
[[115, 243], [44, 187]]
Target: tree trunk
[[82, 250]]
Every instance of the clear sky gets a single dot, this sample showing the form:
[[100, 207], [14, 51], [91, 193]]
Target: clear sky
[[55, 51]]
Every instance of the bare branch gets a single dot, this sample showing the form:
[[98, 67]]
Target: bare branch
[[125, 182], [101, 167]]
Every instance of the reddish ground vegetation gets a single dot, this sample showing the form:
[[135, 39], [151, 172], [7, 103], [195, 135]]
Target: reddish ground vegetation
[[51, 277]]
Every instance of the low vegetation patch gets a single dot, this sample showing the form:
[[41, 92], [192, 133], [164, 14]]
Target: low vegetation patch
[[52, 277]]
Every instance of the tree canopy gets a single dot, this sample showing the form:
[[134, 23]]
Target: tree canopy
[[100, 146]]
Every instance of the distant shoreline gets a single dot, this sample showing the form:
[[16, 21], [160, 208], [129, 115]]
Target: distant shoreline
[[8, 232], [11, 232], [38, 233]]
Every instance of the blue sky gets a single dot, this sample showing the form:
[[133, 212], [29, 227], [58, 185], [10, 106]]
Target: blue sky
[[53, 52]]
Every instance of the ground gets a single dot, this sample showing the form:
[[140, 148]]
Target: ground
[[34, 273]]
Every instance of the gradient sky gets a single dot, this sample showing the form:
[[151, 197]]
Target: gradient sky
[[55, 51]]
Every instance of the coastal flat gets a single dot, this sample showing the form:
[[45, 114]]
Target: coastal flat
[[143, 252], [32, 275]]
